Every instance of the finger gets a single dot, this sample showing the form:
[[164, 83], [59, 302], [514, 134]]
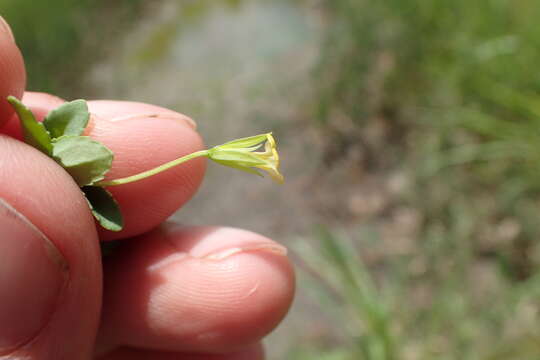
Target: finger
[[254, 352], [196, 289], [50, 273], [111, 110], [12, 73], [141, 137]]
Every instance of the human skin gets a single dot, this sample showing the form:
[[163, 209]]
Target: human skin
[[169, 292]]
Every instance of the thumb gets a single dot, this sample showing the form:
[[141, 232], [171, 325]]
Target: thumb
[[50, 271], [12, 73]]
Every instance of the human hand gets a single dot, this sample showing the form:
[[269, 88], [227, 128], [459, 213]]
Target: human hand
[[169, 292]]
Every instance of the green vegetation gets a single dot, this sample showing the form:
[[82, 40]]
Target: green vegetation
[[349, 293], [64, 37], [453, 83], [60, 136]]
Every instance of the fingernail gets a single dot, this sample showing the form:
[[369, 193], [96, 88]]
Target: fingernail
[[172, 116], [4, 27], [255, 248], [222, 254], [208, 244], [32, 274], [239, 241]]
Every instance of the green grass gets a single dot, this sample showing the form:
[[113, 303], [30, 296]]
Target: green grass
[[345, 286], [382, 317], [454, 83]]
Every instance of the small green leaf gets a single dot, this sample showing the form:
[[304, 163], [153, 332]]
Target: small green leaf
[[70, 118], [86, 160], [35, 134], [104, 208]]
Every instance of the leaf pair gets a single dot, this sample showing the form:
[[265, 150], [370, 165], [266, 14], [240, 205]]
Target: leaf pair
[[86, 160]]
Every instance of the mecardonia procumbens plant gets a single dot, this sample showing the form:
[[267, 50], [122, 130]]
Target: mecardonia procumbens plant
[[60, 137]]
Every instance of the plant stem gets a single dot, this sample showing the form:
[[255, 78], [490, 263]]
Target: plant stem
[[153, 171]]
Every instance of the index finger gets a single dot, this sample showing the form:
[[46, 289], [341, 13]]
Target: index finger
[[142, 137], [12, 73]]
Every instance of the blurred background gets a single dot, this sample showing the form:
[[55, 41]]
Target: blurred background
[[410, 138]]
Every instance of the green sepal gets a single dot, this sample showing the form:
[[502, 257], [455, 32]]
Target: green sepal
[[35, 134], [69, 119], [245, 142], [237, 156], [104, 207], [86, 160], [234, 165]]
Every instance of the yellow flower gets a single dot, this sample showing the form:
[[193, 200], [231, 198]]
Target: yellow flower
[[241, 154]]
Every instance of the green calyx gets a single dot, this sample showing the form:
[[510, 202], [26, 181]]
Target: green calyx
[[60, 136]]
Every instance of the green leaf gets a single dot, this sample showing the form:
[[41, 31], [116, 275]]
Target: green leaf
[[104, 208], [35, 134], [70, 118], [86, 160]]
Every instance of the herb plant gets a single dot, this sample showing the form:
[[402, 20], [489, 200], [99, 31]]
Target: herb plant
[[60, 136]]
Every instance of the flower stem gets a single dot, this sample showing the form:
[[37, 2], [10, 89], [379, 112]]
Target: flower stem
[[153, 171]]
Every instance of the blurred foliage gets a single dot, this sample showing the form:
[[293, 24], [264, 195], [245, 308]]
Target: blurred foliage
[[351, 293], [61, 38], [384, 319], [160, 42], [453, 85], [410, 61]]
